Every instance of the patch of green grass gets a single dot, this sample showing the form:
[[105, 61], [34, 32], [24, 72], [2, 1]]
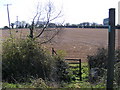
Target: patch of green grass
[[80, 84], [84, 70], [74, 64], [85, 74], [84, 84], [11, 85], [35, 83]]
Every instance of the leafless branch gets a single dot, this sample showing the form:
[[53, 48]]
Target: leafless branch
[[53, 36], [57, 16], [42, 30], [50, 16]]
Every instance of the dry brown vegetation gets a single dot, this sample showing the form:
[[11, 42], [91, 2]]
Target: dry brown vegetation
[[76, 42]]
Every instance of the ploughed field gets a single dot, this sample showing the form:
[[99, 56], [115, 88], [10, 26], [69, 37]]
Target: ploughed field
[[75, 42]]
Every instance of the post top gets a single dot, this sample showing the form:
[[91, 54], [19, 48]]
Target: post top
[[112, 9]]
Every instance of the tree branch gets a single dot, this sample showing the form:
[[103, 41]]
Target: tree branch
[[57, 16], [51, 37], [42, 30]]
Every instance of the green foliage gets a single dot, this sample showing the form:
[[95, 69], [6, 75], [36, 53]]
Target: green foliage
[[11, 85], [61, 68], [117, 74], [99, 61], [85, 85], [76, 73], [39, 83], [23, 59], [36, 83], [7, 85], [117, 55], [85, 71]]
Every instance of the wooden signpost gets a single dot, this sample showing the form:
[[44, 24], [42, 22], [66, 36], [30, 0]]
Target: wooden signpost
[[111, 49], [118, 24]]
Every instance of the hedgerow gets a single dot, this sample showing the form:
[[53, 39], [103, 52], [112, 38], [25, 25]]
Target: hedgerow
[[98, 62], [25, 59]]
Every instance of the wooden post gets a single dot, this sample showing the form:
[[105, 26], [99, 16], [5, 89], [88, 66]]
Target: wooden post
[[118, 38], [53, 52], [118, 24], [111, 49], [80, 70]]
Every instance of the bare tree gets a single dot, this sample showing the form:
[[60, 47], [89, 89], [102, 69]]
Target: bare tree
[[42, 26]]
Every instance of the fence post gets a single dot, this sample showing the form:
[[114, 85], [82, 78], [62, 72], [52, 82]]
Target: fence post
[[53, 52], [111, 49], [80, 70]]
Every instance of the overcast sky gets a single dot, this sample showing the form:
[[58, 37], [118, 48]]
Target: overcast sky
[[74, 11]]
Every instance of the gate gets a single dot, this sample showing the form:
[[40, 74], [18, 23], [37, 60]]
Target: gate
[[75, 64]]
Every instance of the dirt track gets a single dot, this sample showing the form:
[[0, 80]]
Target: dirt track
[[77, 42]]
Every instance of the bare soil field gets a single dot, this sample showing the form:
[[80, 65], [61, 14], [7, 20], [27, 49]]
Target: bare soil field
[[76, 42]]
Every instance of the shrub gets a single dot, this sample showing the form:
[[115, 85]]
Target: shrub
[[98, 61], [36, 83], [62, 71], [23, 59], [117, 55], [39, 83], [117, 74], [97, 64]]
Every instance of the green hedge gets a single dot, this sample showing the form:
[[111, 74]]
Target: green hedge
[[23, 59], [99, 61]]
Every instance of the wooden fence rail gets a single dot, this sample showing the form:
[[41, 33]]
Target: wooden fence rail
[[75, 61], [72, 61]]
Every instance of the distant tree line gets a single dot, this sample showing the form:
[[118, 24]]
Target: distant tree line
[[40, 24], [88, 25], [85, 25], [18, 24]]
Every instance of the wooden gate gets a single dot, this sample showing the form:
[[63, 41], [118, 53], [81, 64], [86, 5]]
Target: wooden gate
[[75, 61]]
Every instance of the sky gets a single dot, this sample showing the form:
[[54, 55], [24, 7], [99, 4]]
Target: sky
[[73, 11]]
